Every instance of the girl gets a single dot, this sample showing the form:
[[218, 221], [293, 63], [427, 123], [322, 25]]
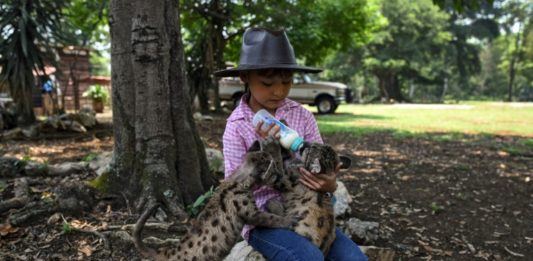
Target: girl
[[267, 63]]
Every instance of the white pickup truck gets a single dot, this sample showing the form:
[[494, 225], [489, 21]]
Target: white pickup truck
[[325, 95]]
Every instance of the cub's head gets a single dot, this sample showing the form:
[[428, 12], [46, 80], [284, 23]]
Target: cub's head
[[322, 158], [264, 160]]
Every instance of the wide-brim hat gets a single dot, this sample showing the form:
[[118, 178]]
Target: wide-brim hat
[[265, 49]]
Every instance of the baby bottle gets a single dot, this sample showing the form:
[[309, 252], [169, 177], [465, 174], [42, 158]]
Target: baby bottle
[[289, 138]]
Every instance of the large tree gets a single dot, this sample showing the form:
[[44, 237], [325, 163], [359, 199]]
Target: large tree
[[517, 20], [158, 155], [214, 30], [413, 38]]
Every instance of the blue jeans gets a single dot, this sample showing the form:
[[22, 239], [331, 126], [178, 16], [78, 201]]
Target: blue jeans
[[278, 244]]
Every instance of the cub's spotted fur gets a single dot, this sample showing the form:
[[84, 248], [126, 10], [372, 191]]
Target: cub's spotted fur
[[316, 219], [315, 209], [219, 225]]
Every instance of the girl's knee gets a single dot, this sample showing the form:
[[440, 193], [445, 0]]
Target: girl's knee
[[344, 249], [279, 244]]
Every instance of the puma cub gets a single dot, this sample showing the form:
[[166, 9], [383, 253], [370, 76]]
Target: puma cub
[[218, 226], [316, 219]]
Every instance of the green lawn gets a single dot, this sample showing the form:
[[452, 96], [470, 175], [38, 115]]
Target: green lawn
[[464, 118]]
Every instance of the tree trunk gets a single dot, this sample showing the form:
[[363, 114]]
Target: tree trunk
[[219, 63], [412, 88], [512, 68], [158, 155], [24, 101], [212, 56], [389, 86], [444, 89]]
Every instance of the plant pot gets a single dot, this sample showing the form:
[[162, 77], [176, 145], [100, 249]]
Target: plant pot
[[98, 106]]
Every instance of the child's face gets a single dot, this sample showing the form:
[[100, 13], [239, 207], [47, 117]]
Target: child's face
[[268, 89]]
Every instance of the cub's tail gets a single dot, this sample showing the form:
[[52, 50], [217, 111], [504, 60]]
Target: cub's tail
[[137, 239]]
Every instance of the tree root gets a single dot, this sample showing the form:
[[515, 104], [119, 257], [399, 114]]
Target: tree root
[[107, 246], [30, 211], [11, 167], [74, 198], [169, 204], [21, 196], [13, 203], [165, 227]]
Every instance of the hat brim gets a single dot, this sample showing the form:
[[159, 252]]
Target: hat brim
[[233, 72]]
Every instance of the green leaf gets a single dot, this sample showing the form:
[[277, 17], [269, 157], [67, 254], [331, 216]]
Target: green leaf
[[67, 228]]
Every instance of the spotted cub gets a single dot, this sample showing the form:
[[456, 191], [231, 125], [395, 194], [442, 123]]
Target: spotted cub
[[218, 226], [316, 219], [314, 209]]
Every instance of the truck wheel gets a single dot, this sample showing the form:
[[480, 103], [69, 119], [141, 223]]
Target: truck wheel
[[326, 104]]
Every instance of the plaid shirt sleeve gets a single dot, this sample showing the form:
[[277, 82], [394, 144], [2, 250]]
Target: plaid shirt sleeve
[[234, 148]]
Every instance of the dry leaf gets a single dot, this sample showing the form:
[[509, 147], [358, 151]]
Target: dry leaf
[[53, 219], [7, 229], [86, 250], [78, 224]]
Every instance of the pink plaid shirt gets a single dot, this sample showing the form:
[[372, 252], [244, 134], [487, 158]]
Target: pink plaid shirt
[[240, 134]]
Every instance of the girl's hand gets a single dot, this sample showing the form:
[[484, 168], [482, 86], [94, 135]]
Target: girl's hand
[[326, 182], [272, 130]]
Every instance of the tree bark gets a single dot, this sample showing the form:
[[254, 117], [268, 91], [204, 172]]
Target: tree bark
[[212, 55], [158, 155], [389, 86], [515, 57]]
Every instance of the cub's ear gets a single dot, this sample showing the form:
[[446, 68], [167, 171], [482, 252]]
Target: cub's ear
[[345, 162], [256, 146], [305, 146]]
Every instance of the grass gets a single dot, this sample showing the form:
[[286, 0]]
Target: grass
[[481, 118], [523, 146]]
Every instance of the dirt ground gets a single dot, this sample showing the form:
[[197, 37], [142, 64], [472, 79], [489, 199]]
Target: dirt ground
[[438, 200]]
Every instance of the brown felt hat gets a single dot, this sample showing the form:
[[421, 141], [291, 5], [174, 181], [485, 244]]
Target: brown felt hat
[[265, 49]]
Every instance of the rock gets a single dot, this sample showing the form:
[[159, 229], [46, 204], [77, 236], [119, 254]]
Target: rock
[[75, 126], [30, 132], [200, 117], [215, 159], [197, 116], [102, 163], [343, 200], [239, 252], [366, 232], [67, 168], [52, 121], [378, 253], [75, 198], [87, 118], [9, 167]]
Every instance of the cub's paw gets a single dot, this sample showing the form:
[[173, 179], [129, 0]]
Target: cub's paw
[[276, 207], [290, 221]]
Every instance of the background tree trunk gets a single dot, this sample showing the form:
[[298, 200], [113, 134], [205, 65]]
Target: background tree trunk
[[389, 86], [158, 155], [515, 57]]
